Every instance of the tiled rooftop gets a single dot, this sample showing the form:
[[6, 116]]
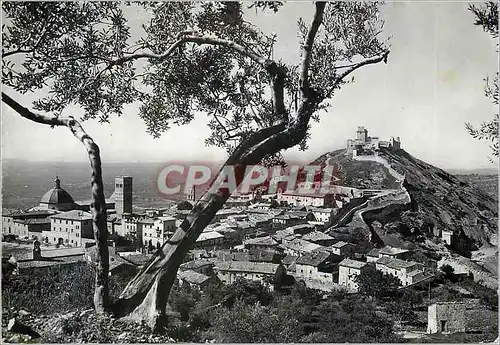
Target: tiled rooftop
[[312, 259], [352, 263], [192, 277], [247, 266]]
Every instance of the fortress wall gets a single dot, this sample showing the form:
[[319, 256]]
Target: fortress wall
[[399, 177]]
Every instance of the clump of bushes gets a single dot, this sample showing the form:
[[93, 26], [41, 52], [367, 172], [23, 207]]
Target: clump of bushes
[[57, 289]]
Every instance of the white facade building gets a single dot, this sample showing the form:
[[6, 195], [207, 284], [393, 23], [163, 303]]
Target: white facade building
[[69, 228]]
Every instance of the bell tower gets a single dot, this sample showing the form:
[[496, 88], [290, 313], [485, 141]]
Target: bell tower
[[123, 195]]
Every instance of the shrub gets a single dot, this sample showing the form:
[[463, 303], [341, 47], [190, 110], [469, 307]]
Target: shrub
[[58, 289]]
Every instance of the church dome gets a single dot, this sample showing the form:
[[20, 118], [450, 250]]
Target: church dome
[[57, 198]]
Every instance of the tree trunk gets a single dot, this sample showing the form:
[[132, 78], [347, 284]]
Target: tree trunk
[[98, 205], [99, 226]]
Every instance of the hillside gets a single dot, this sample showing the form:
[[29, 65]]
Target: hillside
[[448, 202], [439, 200], [356, 174], [486, 182]]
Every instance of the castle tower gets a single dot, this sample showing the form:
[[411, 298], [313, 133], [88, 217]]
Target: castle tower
[[361, 134], [123, 195]]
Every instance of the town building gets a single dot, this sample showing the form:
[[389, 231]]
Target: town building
[[408, 272], [157, 231], [73, 228], [323, 215], [306, 199], [209, 240], [301, 229], [260, 206], [393, 252], [114, 224], [319, 238], [267, 273], [253, 255], [263, 243], [373, 255], [388, 251], [225, 213], [28, 224], [117, 264], [348, 271], [320, 266], [134, 227], [41, 261], [202, 266], [284, 220], [194, 279], [298, 247], [191, 195], [343, 249]]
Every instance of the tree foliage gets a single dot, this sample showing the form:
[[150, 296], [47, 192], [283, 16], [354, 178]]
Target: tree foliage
[[375, 283], [83, 54], [487, 17], [184, 205], [350, 320]]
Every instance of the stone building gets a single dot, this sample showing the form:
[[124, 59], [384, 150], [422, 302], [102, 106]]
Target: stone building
[[446, 317], [191, 195], [202, 266], [319, 238]]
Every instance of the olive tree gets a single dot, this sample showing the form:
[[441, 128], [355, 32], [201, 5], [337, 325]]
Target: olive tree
[[192, 57], [487, 17]]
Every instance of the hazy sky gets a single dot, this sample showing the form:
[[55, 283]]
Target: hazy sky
[[432, 85]]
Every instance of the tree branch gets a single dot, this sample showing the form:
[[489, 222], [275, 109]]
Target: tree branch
[[308, 44], [17, 51], [192, 37], [351, 68], [98, 205], [276, 73]]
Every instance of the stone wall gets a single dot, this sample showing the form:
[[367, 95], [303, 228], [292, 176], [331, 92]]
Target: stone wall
[[398, 176]]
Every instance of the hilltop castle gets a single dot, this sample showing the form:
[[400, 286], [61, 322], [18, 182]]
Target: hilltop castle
[[365, 145]]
